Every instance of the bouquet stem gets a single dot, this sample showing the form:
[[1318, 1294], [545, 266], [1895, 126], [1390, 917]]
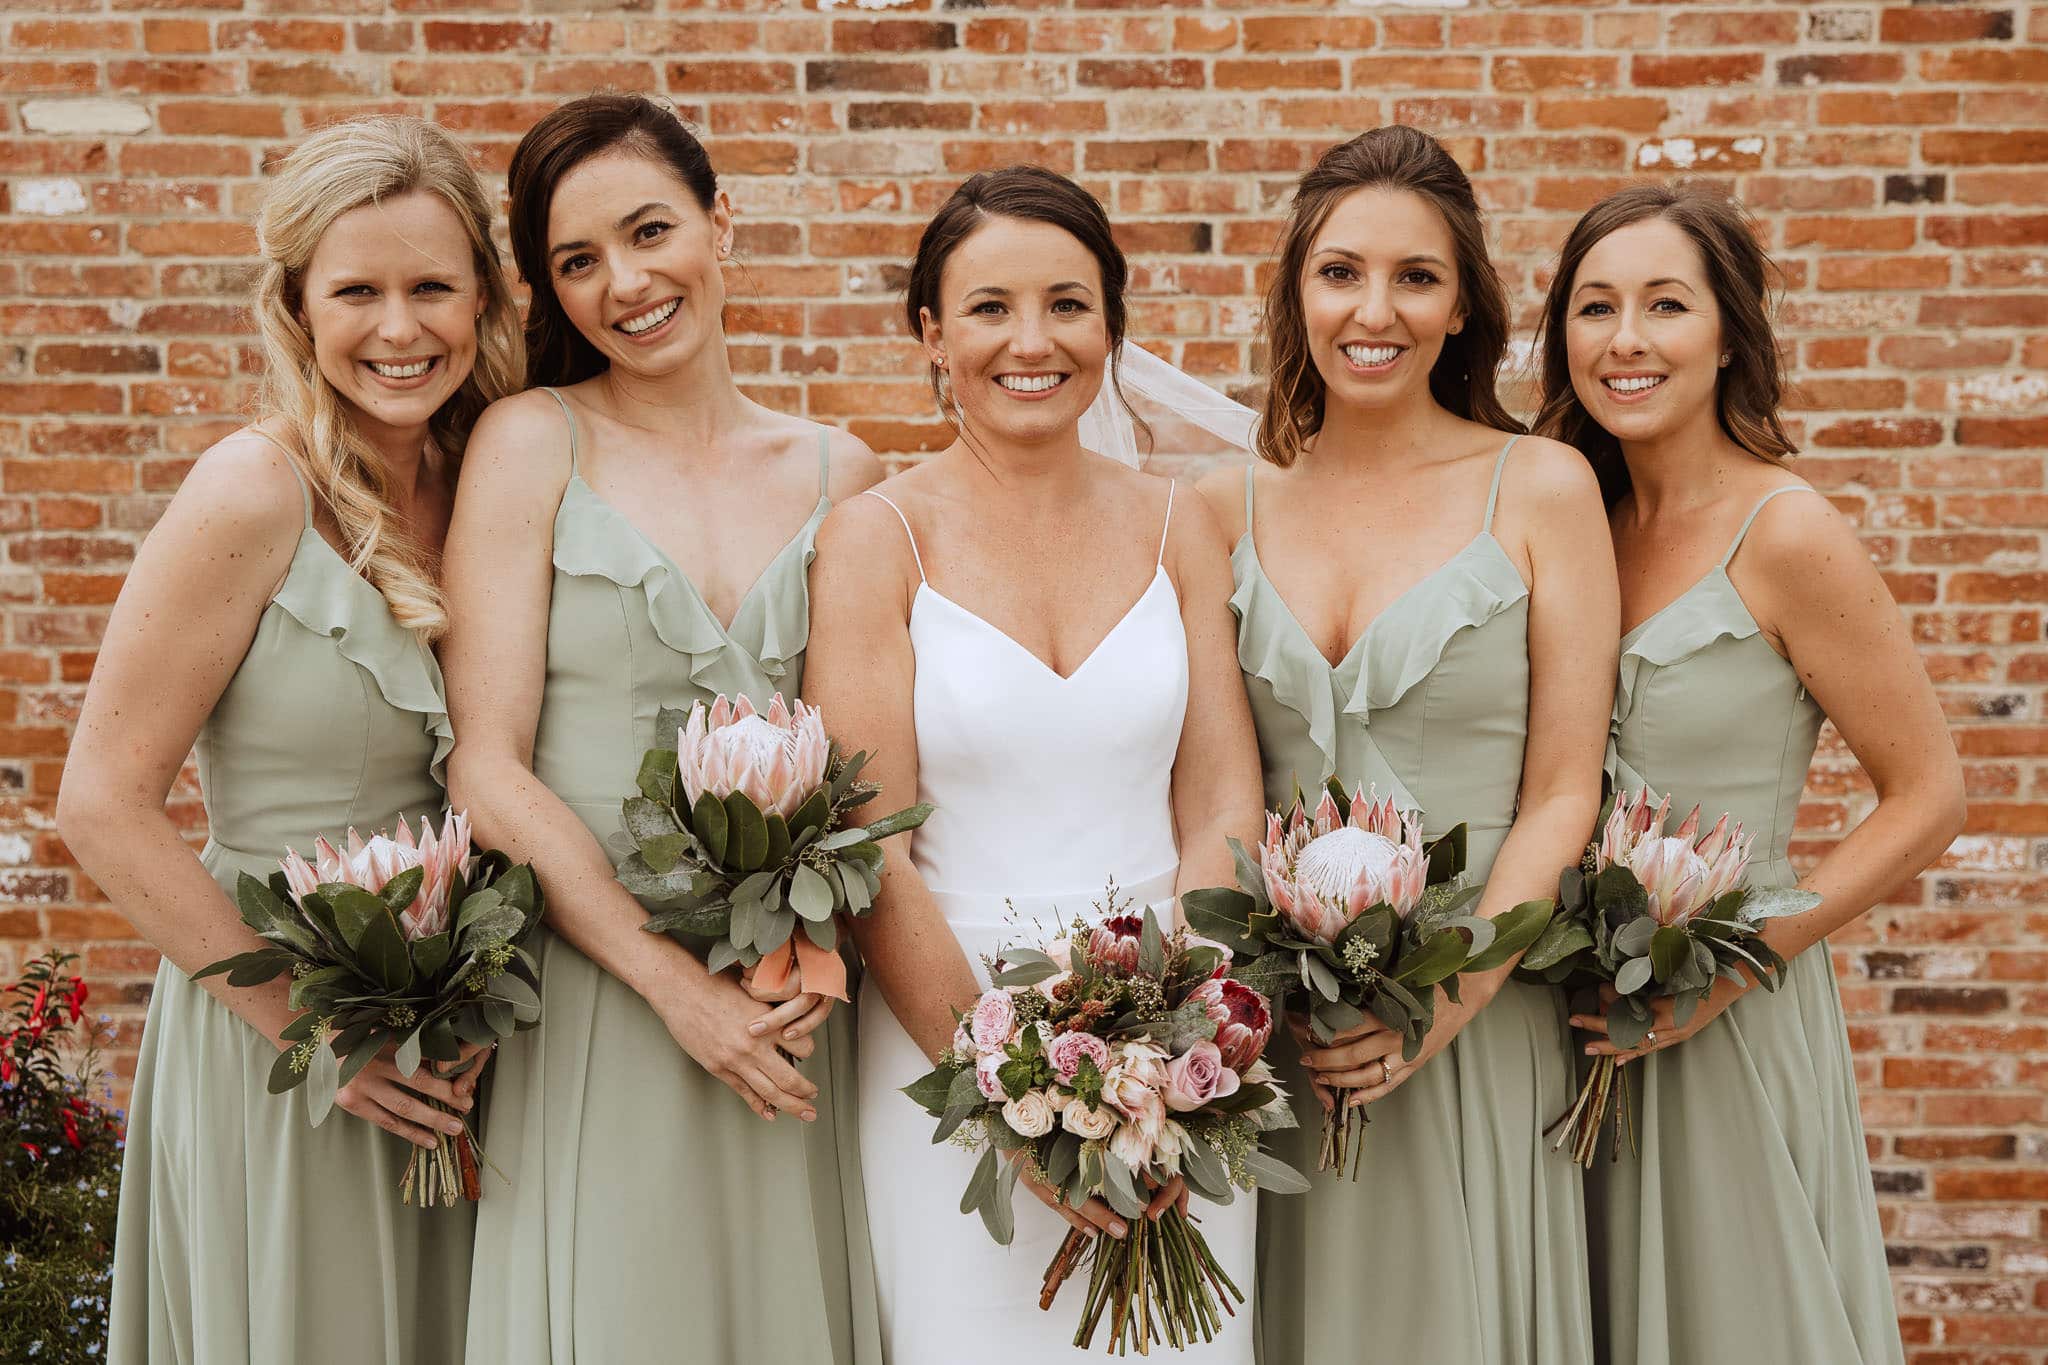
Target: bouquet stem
[[1604, 1090], [1159, 1283], [1343, 1135], [446, 1172]]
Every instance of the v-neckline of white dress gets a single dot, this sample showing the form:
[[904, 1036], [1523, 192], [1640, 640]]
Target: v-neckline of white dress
[[1159, 576]]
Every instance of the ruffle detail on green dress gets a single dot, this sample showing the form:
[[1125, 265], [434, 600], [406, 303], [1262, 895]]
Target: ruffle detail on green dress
[[594, 539], [1471, 588], [1474, 586], [323, 594], [1710, 610]]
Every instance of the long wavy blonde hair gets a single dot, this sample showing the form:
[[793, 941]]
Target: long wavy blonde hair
[[358, 162]]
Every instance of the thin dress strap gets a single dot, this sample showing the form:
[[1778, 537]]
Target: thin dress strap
[[1493, 491], [906, 531], [305, 489], [1171, 485], [824, 461], [1248, 506], [1750, 520], [569, 417]]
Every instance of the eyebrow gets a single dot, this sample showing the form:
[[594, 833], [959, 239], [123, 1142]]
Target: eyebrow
[[1419, 258], [996, 291], [619, 226], [1652, 284]]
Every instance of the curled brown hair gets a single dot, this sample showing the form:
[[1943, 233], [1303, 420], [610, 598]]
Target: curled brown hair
[[563, 139], [1033, 194], [1751, 385], [1395, 157]]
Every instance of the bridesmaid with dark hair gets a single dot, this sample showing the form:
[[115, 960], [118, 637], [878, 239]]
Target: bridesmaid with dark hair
[[633, 533], [1744, 1228], [1425, 604]]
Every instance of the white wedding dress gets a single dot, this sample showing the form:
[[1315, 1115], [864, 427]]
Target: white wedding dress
[[1044, 787]]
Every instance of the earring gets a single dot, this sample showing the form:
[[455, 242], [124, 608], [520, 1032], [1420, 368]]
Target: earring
[[1726, 356], [1456, 327]]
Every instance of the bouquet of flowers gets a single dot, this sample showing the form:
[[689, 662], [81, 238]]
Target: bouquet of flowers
[[60, 1169], [1354, 910], [1107, 1063], [743, 832], [398, 943], [1653, 915]]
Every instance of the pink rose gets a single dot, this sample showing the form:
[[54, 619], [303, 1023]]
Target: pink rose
[[994, 1020], [1068, 1049], [985, 1068], [1197, 1077]]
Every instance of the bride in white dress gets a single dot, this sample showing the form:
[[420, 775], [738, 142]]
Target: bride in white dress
[[1037, 640]]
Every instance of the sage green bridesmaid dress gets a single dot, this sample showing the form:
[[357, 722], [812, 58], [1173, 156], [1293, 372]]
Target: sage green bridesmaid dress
[[245, 1234], [1746, 1227], [649, 1214], [1463, 1239]]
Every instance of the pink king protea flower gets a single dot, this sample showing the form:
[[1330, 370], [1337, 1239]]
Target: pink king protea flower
[[1683, 877], [1243, 1020], [776, 761], [368, 865], [1322, 873], [1115, 942]]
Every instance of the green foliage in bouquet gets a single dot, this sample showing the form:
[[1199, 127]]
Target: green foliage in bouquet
[[1653, 916], [361, 982], [60, 1170], [1350, 910], [744, 832]]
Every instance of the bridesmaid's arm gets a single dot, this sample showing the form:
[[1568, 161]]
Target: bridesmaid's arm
[[1217, 788], [499, 575], [1818, 597], [184, 620], [859, 671], [1550, 505]]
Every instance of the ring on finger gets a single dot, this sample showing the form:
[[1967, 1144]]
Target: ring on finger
[[1386, 1073], [1651, 1037]]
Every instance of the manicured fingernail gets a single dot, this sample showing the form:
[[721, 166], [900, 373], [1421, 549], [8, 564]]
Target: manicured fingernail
[[790, 1033], [1117, 1229], [757, 1028], [810, 1116], [451, 1126]]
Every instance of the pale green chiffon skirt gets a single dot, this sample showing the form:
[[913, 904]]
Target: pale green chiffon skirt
[[1463, 1239], [641, 1212], [245, 1234], [1747, 1229]]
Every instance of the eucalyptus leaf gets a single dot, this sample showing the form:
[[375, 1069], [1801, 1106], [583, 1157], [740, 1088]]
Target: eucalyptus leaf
[[1063, 1160], [1514, 930], [408, 1058], [1317, 976], [910, 817], [260, 906], [1684, 1006], [929, 1091], [1120, 1186], [1770, 902], [657, 776], [1560, 939], [998, 1212], [1443, 954], [430, 954], [355, 910], [664, 851], [1272, 1175], [282, 1075], [1205, 1170], [646, 819], [323, 1078], [774, 930], [723, 954], [982, 1183], [1151, 946], [841, 838], [1669, 950], [811, 814], [1633, 938], [853, 885], [704, 921], [1250, 879], [669, 724], [809, 895], [1633, 976]]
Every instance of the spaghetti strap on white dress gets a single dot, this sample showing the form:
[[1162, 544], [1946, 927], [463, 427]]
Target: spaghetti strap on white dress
[[1045, 787]]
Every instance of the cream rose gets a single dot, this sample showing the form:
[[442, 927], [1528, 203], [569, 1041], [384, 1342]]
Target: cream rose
[[1030, 1114]]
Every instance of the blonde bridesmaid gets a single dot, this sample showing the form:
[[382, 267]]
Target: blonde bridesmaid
[[1425, 602], [633, 533], [281, 614], [1744, 1227]]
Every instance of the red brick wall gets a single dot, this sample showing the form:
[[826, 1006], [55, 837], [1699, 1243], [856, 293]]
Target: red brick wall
[[1898, 156]]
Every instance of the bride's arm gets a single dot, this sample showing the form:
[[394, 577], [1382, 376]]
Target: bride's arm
[[858, 672], [1217, 791]]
